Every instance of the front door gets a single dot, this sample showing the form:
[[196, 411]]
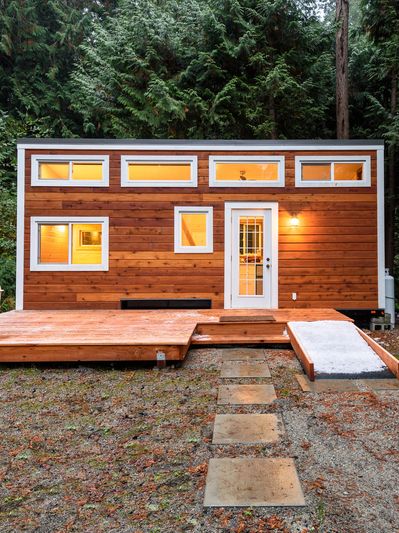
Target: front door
[[251, 258]]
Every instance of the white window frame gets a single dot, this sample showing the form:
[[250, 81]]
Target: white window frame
[[60, 267], [192, 160], [75, 158], [365, 159], [214, 159], [178, 248]]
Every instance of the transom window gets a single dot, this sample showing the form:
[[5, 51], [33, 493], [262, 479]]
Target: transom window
[[159, 171], [319, 171], [65, 244], [193, 230], [246, 171], [72, 171]]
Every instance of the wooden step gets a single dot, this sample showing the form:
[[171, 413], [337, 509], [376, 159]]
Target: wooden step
[[239, 339], [241, 329]]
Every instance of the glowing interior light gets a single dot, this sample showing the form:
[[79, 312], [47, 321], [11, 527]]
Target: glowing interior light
[[294, 221]]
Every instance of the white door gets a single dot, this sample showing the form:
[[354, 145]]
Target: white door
[[250, 252]]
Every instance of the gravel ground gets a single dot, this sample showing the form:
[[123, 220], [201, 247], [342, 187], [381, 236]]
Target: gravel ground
[[125, 449]]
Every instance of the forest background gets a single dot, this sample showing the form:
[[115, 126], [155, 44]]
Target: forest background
[[193, 69]]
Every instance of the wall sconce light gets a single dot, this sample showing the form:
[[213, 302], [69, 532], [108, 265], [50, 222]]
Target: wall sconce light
[[294, 221]]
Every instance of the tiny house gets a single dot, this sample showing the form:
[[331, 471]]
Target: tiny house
[[221, 224]]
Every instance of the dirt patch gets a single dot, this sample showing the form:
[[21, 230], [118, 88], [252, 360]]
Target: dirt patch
[[102, 449]]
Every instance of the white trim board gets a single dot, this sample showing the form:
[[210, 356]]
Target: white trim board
[[365, 159], [214, 159], [35, 266], [381, 228], [69, 158], [206, 147], [191, 159], [19, 289], [180, 249], [229, 208]]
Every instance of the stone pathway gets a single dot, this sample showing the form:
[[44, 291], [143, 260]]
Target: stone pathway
[[249, 481]]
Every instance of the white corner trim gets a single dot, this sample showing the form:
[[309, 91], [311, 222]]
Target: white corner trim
[[180, 249], [381, 228], [19, 289], [69, 158], [35, 266], [365, 159], [228, 213], [159, 159], [214, 159]]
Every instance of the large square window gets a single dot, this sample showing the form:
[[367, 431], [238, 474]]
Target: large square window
[[63, 244]]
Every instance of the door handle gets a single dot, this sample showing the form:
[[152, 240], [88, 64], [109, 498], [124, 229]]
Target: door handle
[[268, 265]]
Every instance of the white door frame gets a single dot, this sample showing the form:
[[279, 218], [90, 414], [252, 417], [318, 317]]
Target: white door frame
[[228, 211]]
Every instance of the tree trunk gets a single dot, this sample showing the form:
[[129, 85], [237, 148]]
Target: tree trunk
[[341, 62], [391, 186]]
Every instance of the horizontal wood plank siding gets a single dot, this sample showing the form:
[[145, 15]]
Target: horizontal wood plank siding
[[329, 260]]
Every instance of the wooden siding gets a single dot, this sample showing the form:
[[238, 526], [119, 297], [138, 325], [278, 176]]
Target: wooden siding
[[329, 260]]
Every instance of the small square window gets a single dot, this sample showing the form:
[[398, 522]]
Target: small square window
[[193, 229]]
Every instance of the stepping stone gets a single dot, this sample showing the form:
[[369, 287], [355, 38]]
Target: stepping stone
[[246, 429], [242, 354], [246, 394], [253, 482], [327, 385], [245, 369], [382, 384]]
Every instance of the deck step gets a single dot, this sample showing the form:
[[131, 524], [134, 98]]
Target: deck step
[[239, 339]]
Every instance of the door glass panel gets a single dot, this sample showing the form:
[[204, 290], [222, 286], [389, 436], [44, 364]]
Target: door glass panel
[[251, 256]]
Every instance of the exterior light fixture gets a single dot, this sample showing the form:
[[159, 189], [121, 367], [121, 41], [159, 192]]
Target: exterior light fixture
[[294, 221]]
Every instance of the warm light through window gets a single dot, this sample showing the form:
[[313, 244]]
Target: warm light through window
[[193, 229], [348, 171], [159, 172], [67, 170], [53, 171], [53, 243], [245, 171], [316, 171], [84, 248], [87, 171]]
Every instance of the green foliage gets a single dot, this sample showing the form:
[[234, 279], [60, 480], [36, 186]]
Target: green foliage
[[186, 69]]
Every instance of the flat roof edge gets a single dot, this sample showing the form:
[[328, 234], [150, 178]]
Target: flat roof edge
[[200, 142]]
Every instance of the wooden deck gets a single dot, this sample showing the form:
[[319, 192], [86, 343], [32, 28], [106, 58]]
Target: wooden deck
[[103, 335]]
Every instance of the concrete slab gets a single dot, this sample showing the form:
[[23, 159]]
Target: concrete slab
[[253, 482], [247, 429], [327, 385], [243, 354], [246, 394], [245, 369], [382, 384]]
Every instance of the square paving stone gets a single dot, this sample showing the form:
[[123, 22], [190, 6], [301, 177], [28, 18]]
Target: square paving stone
[[245, 369], [246, 394], [243, 354], [253, 482], [327, 385], [246, 429]]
